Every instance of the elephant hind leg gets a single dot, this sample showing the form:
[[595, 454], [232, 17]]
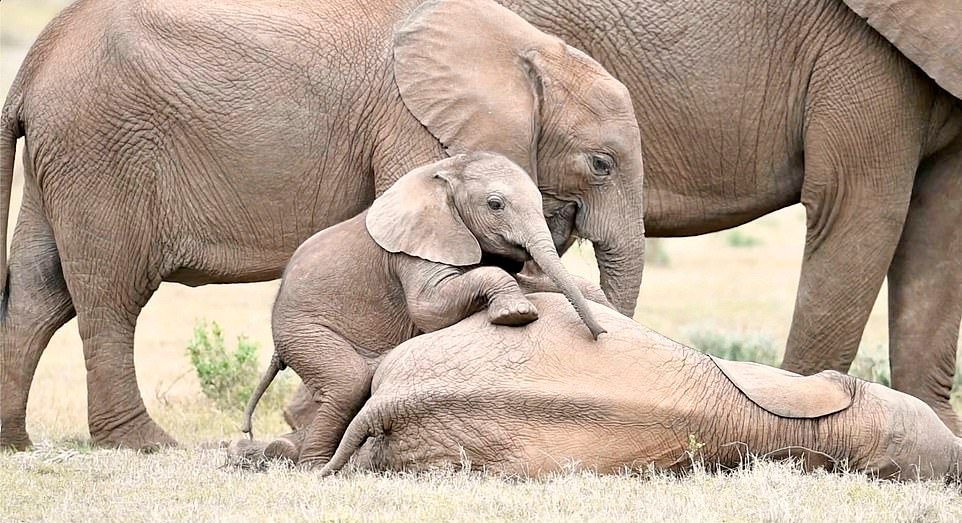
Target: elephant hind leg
[[112, 269], [36, 305], [925, 288], [299, 411], [338, 378]]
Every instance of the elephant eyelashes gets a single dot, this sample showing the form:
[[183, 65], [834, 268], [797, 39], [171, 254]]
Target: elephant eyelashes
[[602, 164], [495, 202]]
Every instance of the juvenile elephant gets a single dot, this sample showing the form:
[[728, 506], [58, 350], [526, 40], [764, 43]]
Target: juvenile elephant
[[202, 142], [531, 400], [409, 264], [851, 108]]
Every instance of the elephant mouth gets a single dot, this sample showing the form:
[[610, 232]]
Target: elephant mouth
[[561, 223], [509, 264]]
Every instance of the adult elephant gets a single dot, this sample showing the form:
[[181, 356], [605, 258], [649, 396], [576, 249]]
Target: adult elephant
[[748, 107], [202, 142]]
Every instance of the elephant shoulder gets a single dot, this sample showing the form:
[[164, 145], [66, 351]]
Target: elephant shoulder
[[787, 394]]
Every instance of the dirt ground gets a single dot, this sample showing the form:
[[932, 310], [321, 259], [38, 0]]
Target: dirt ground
[[709, 282]]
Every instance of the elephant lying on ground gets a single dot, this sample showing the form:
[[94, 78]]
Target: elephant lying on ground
[[748, 107], [202, 142], [409, 264], [532, 400]]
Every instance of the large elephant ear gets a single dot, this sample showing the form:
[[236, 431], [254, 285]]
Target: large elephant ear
[[787, 394], [467, 70], [417, 216], [927, 32]]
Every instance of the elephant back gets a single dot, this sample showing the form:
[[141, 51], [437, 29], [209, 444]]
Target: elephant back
[[927, 32]]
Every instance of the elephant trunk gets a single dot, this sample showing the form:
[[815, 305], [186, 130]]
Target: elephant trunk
[[621, 270], [619, 242], [543, 252]]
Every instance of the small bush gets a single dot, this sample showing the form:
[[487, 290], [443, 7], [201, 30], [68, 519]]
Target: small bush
[[229, 379], [736, 346], [737, 238]]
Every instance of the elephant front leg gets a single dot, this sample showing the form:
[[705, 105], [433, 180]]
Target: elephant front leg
[[925, 288], [440, 296], [856, 193]]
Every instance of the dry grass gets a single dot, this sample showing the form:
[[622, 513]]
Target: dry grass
[[58, 484], [712, 282]]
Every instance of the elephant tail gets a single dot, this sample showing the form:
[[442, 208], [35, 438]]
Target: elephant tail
[[10, 131], [276, 366], [368, 422]]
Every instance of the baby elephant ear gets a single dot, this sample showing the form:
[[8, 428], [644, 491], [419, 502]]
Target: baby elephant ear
[[787, 394], [417, 216]]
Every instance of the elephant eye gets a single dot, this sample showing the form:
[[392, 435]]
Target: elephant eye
[[602, 164], [495, 202]]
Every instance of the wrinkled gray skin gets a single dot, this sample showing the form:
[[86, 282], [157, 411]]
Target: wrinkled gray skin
[[354, 291], [749, 107], [532, 400], [202, 142]]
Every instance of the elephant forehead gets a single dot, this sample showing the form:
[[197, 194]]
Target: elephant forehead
[[497, 169]]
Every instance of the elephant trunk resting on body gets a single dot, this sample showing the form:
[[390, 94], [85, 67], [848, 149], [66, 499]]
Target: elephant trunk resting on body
[[532, 400]]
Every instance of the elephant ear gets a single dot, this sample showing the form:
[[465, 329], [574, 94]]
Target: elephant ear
[[927, 32], [417, 216], [787, 394], [468, 71]]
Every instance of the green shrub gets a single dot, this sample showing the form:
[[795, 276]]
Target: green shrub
[[229, 378], [737, 238]]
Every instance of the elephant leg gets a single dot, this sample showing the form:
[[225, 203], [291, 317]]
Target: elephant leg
[[300, 410], [925, 288], [37, 304], [338, 378], [856, 193], [111, 275]]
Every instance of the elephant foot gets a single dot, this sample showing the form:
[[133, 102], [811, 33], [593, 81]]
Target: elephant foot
[[286, 447], [254, 453], [14, 439], [247, 453], [141, 434], [511, 310]]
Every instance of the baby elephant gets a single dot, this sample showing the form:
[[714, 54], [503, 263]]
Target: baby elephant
[[409, 264], [534, 399]]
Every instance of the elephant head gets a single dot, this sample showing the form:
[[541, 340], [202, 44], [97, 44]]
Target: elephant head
[[457, 209], [479, 77]]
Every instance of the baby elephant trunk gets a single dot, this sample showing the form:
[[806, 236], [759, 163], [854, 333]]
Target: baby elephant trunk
[[543, 252]]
